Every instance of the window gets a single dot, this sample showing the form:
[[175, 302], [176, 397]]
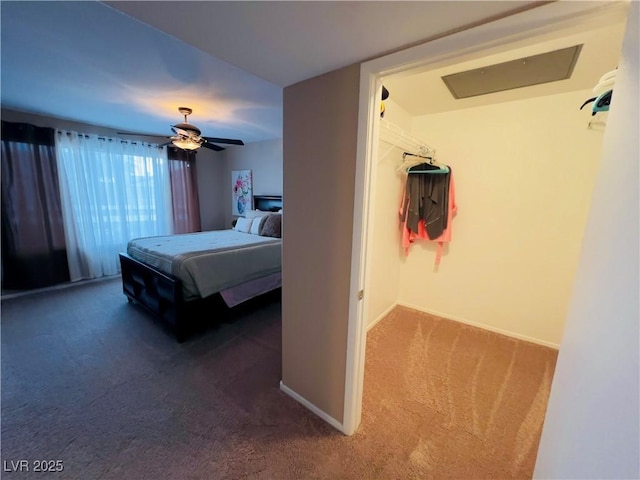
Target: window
[[112, 191]]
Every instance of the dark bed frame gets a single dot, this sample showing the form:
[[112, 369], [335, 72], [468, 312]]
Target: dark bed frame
[[161, 294]]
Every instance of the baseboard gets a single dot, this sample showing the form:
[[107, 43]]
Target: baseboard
[[384, 314], [60, 286], [507, 333], [306, 403]]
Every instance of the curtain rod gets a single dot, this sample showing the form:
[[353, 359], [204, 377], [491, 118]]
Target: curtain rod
[[85, 135]]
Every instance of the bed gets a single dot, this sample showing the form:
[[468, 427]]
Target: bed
[[184, 278]]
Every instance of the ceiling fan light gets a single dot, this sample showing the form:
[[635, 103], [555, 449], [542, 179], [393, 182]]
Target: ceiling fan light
[[186, 144]]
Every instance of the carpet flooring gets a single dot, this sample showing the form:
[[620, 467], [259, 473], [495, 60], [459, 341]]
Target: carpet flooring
[[459, 402], [96, 383]]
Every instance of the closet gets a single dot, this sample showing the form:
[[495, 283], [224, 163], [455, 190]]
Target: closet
[[524, 162], [529, 173]]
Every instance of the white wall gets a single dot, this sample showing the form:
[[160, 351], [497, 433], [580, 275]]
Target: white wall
[[592, 428], [264, 159], [383, 270], [524, 172]]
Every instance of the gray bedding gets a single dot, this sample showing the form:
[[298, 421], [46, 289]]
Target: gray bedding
[[208, 262]]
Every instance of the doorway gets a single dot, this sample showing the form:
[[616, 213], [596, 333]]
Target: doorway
[[541, 25]]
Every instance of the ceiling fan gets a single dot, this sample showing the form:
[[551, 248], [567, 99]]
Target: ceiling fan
[[189, 137]]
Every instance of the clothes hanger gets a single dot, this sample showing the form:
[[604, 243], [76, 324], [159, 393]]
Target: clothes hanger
[[408, 163], [592, 99], [602, 92], [418, 165], [424, 168], [601, 102]]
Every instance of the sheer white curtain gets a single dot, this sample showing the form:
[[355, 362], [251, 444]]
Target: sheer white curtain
[[112, 191]]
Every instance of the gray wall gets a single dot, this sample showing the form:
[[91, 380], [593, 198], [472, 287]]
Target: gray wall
[[264, 159], [212, 186], [320, 133]]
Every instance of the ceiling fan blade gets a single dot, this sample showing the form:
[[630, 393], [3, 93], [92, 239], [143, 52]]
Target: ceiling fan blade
[[141, 134], [181, 132], [165, 144], [211, 146], [229, 141]]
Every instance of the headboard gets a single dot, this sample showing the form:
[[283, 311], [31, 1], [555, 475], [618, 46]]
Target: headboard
[[267, 203]]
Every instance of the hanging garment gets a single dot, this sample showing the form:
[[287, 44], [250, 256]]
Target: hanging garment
[[427, 209], [430, 195]]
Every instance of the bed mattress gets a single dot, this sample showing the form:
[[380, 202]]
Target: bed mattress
[[209, 262]]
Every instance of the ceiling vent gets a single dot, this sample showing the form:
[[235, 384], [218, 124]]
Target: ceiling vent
[[523, 72]]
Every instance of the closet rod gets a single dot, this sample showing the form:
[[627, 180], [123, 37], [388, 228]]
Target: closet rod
[[407, 154]]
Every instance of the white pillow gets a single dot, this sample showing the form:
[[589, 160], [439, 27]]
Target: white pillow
[[256, 225], [254, 213], [243, 224]]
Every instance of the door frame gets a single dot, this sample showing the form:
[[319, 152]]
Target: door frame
[[501, 35]]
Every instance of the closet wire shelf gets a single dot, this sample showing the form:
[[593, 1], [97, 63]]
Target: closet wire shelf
[[396, 137]]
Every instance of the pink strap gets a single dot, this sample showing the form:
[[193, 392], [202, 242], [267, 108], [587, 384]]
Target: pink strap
[[439, 252]]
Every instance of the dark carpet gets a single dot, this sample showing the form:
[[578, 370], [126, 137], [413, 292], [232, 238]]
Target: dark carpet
[[96, 383]]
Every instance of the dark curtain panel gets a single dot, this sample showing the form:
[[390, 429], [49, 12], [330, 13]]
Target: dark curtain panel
[[33, 242], [184, 191]]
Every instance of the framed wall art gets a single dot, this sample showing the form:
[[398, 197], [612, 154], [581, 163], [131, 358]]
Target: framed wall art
[[241, 192]]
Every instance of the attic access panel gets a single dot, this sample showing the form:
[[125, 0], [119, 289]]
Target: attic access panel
[[523, 72]]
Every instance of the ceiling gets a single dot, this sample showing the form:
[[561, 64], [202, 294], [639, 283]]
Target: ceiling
[[287, 42], [87, 62], [424, 92], [130, 65]]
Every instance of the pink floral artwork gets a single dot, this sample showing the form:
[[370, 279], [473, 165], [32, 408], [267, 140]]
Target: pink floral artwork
[[241, 189]]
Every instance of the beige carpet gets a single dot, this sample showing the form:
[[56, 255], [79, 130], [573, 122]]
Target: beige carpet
[[453, 401]]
